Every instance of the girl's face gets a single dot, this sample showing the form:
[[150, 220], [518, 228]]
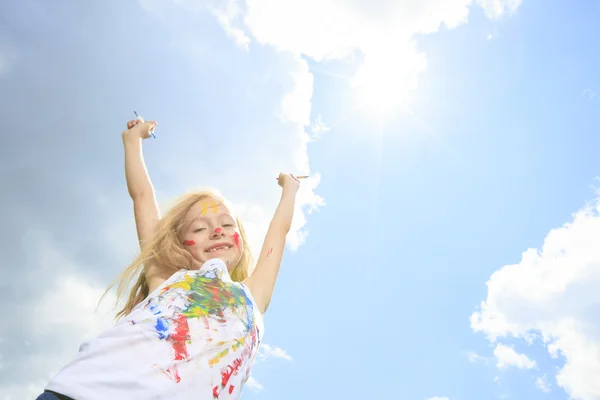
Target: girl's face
[[210, 231]]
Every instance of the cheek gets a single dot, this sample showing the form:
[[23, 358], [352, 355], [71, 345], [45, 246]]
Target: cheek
[[236, 240], [188, 243]]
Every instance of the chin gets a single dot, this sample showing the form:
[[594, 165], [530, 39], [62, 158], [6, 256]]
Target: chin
[[231, 261], [227, 260]]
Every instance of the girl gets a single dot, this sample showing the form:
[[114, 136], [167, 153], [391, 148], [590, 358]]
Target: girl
[[192, 323]]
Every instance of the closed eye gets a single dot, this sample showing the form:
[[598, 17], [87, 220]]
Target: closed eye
[[227, 225], [199, 230]]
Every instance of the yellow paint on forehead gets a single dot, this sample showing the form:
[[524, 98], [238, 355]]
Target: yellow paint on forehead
[[207, 205]]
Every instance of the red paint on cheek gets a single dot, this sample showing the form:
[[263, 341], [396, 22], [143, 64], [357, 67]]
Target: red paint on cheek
[[236, 240], [188, 243]]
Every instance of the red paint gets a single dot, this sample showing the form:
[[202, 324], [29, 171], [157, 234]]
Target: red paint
[[230, 370], [226, 374], [236, 240], [189, 242], [269, 252], [181, 335], [173, 374], [218, 230]]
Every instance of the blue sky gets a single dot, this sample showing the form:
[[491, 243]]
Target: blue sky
[[487, 148]]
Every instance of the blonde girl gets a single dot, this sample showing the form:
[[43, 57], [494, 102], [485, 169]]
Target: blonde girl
[[192, 323]]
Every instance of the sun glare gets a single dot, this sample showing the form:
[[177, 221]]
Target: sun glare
[[383, 84]]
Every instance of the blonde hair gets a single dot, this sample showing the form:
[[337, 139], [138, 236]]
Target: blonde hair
[[165, 248]]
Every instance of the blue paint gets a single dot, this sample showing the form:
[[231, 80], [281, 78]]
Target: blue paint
[[154, 309], [162, 327]]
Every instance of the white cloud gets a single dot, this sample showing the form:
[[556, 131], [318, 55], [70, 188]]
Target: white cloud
[[57, 318], [296, 104], [318, 127], [267, 351], [493, 35], [542, 383], [477, 359], [382, 32], [498, 8], [253, 385], [506, 356], [330, 30], [228, 12], [79, 296], [552, 297]]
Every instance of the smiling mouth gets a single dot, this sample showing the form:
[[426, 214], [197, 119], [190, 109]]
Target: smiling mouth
[[219, 248]]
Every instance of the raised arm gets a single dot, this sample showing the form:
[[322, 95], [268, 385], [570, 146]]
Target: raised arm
[[262, 281], [145, 207]]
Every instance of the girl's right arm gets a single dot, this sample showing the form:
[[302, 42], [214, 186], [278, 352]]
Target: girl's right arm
[[139, 185]]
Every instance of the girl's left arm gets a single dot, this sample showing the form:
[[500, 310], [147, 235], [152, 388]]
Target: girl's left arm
[[262, 281]]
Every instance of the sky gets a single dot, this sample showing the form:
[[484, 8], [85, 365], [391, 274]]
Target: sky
[[445, 246]]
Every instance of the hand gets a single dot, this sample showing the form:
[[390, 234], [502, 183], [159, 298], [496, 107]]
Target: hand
[[139, 129], [288, 182]]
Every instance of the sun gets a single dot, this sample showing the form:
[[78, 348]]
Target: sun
[[384, 82]]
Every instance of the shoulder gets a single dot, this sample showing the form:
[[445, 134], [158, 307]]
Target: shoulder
[[156, 276]]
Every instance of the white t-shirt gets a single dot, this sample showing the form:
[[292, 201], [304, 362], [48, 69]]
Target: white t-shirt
[[194, 337]]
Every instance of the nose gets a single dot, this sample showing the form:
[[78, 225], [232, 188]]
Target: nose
[[216, 233]]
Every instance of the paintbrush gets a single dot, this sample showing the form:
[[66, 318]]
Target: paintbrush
[[299, 177], [139, 118]]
